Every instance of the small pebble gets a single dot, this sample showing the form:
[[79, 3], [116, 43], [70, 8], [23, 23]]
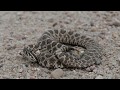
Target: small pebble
[[26, 65], [38, 52], [90, 69], [19, 13], [51, 20], [1, 56], [57, 73], [23, 38], [54, 24], [1, 65], [74, 71], [20, 70], [115, 35], [94, 29], [99, 77], [98, 62], [34, 69], [91, 23], [81, 52], [116, 24]]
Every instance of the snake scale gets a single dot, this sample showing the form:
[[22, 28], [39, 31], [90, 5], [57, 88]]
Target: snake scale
[[54, 47]]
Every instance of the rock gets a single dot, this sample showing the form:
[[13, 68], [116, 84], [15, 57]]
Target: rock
[[116, 23], [57, 73], [1, 56], [34, 69], [102, 35], [20, 70], [99, 77], [1, 65], [93, 30], [109, 76], [28, 75], [90, 69], [51, 20], [74, 72], [54, 24], [98, 62], [19, 13], [115, 35], [91, 23], [37, 52]]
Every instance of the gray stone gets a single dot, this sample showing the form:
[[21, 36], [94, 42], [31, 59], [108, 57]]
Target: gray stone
[[99, 77], [57, 73]]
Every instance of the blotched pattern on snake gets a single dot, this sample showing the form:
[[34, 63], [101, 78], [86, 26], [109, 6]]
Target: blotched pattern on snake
[[54, 46]]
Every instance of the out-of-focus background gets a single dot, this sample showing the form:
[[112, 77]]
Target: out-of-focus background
[[19, 28]]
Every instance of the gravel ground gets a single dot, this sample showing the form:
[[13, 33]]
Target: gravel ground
[[22, 28]]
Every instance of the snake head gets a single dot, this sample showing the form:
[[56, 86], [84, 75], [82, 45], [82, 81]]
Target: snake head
[[28, 53]]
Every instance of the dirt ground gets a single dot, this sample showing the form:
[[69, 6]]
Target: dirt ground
[[19, 28]]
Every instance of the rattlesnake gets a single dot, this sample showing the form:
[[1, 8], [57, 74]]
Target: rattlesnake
[[52, 50]]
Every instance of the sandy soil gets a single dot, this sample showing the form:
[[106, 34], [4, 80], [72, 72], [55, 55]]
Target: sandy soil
[[22, 28]]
